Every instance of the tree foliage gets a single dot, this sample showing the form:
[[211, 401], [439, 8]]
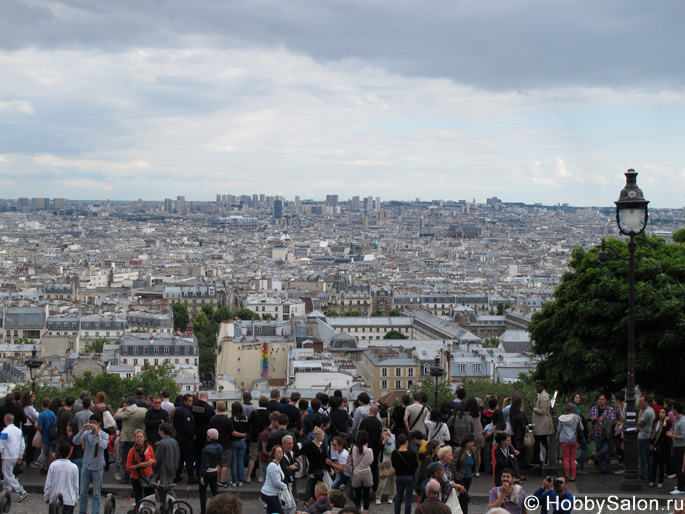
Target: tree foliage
[[679, 236], [208, 310], [201, 322], [377, 314], [394, 334], [583, 332], [445, 393], [395, 312], [181, 317], [247, 314], [96, 346], [352, 314], [332, 314], [223, 313]]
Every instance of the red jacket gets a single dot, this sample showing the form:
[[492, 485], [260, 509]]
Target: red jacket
[[133, 459]]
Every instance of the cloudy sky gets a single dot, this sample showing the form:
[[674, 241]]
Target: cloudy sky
[[531, 101]]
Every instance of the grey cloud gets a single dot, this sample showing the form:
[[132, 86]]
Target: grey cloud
[[498, 45]]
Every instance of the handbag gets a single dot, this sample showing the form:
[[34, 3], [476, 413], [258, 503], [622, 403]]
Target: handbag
[[286, 498], [37, 441], [579, 429], [108, 420], [349, 467], [145, 481], [385, 469], [528, 439]]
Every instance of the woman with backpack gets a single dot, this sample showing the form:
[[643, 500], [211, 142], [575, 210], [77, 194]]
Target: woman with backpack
[[437, 430], [568, 427], [460, 423]]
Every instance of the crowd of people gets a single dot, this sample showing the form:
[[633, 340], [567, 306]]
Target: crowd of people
[[354, 450]]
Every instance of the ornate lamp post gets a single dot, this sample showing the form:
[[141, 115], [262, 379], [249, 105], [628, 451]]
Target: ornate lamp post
[[33, 363], [436, 370], [631, 218]]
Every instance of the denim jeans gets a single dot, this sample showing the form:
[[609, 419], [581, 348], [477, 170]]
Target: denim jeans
[[583, 452], [343, 479], [237, 461], [405, 488], [644, 458], [89, 476], [601, 452]]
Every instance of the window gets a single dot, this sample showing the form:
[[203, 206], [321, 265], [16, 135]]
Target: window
[[156, 361], [166, 350], [398, 372], [410, 383], [462, 368], [384, 384], [135, 350], [187, 361], [135, 362], [478, 368], [410, 372], [156, 350], [398, 385], [384, 372]]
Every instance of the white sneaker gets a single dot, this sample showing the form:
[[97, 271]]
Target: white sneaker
[[378, 501], [117, 476], [260, 480], [672, 476], [677, 491], [391, 500], [476, 475]]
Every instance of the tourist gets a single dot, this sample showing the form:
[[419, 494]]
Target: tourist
[[139, 463], [660, 446], [95, 441], [509, 495], [12, 446], [29, 427], [568, 428], [209, 468], [603, 418], [405, 462], [274, 482], [63, 478], [542, 421], [361, 458]]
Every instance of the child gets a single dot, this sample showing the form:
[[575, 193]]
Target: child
[[211, 460], [12, 448], [63, 478], [322, 504]]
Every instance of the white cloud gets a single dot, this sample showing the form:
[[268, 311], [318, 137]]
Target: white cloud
[[17, 106]]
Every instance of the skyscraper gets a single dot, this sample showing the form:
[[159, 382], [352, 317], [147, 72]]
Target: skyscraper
[[278, 209]]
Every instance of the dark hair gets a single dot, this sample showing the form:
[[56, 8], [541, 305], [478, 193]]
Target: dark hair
[[283, 400], [461, 393], [406, 399], [275, 394], [68, 402], [87, 402], [498, 421], [295, 397], [508, 471], [166, 394], [263, 401], [324, 398], [338, 393], [303, 405], [492, 403], [334, 402], [659, 399], [416, 434], [316, 404], [225, 504], [64, 449], [466, 438], [165, 427], [472, 408], [500, 437], [515, 409], [361, 439], [678, 407], [26, 398], [424, 397], [435, 415], [401, 439], [236, 409], [337, 498], [185, 397], [247, 397], [283, 419], [96, 416], [364, 398], [460, 409], [140, 391], [342, 441], [646, 398]]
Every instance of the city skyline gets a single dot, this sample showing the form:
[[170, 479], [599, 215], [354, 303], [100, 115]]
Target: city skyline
[[527, 101]]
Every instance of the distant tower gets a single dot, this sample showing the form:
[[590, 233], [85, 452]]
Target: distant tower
[[365, 221], [278, 209]]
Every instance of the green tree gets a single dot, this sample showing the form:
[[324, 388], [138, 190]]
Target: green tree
[[223, 313], [208, 310], [352, 314], [332, 314], [394, 334], [501, 307], [395, 312], [247, 314], [207, 360], [582, 333], [445, 393], [491, 342], [96, 346], [201, 322], [157, 379], [679, 236], [181, 317], [377, 314]]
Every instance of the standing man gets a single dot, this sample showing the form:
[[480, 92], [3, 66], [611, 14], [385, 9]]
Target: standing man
[[12, 446], [224, 426], [64, 417], [414, 415], [95, 441], [289, 463], [166, 456], [678, 438], [202, 412], [166, 404], [132, 418], [600, 414], [293, 413], [46, 421], [645, 422], [184, 423], [274, 403], [63, 479], [375, 429], [542, 419], [154, 417], [84, 414], [257, 422]]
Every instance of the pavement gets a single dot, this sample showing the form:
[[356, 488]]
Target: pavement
[[591, 487]]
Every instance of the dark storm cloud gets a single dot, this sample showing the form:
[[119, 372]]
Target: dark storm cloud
[[496, 45]]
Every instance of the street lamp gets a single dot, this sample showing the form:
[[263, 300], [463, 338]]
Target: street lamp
[[436, 370], [631, 218], [33, 363]]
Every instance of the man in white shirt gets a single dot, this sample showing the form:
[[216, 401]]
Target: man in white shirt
[[12, 447], [63, 479]]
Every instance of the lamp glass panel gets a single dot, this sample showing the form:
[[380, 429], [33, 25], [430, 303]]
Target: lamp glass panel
[[632, 219]]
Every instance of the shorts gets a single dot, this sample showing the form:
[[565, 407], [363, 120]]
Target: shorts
[[254, 452], [226, 458]]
